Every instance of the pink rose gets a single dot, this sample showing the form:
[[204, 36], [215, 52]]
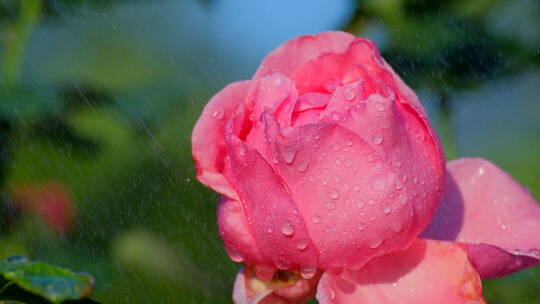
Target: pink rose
[[327, 165]]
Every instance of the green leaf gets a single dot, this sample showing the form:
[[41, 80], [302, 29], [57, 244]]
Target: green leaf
[[51, 282]]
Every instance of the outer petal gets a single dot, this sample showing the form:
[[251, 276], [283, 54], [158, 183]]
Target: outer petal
[[427, 272], [496, 218], [272, 215], [235, 232], [249, 289], [208, 139], [286, 58]]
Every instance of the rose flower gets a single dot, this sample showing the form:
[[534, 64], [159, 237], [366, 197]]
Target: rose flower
[[333, 182]]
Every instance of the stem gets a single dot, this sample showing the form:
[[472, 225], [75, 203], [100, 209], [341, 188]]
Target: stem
[[17, 38]]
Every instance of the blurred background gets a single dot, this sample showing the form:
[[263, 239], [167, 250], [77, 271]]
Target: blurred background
[[98, 99]]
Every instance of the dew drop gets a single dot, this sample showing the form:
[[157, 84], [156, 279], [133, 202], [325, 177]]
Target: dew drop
[[379, 183], [371, 158], [361, 227], [242, 151], [360, 204], [324, 182], [331, 294], [403, 199], [218, 114], [335, 116], [287, 228], [235, 255], [307, 272], [302, 244], [316, 219], [399, 185], [330, 206], [375, 243], [349, 142], [282, 263], [277, 81], [348, 163], [349, 93], [481, 171], [334, 194], [387, 210], [377, 138], [270, 228], [335, 147], [371, 202], [288, 153], [396, 163]]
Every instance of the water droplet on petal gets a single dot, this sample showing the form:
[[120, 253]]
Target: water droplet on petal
[[282, 263], [307, 272], [379, 183], [334, 194], [335, 116], [360, 204], [287, 228], [270, 228], [375, 243], [335, 147], [288, 154], [349, 142], [316, 219], [377, 138], [218, 114], [277, 81], [332, 294], [242, 151], [402, 199], [330, 206], [399, 185], [396, 163], [361, 227], [302, 244], [235, 255], [387, 209], [348, 93]]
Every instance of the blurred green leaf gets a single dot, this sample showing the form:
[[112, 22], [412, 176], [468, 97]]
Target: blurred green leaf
[[53, 283]]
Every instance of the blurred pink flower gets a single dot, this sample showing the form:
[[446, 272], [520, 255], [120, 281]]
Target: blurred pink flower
[[50, 201], [330, 172]]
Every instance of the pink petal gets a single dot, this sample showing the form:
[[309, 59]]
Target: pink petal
[[287, 57], [208, 141], [274, 219], [357, 200], [496, 218], [275, 94], [235, 232], [427, 272], [249, 289]]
